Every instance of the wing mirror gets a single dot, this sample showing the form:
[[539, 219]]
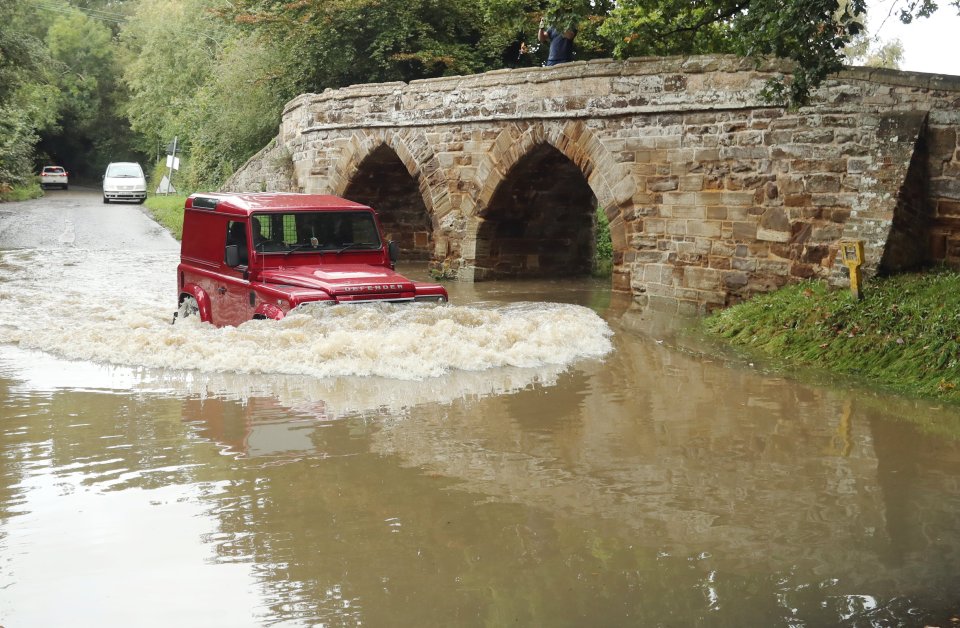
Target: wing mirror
[[231, 255]]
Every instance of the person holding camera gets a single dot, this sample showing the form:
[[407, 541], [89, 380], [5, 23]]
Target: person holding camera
[[561, 44]]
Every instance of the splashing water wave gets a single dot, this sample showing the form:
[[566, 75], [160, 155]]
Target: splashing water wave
[[115, 307]]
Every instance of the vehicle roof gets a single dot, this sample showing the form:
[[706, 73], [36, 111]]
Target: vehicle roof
[[248, 203]]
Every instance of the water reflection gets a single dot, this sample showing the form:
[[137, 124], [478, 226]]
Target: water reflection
[[653, 486]]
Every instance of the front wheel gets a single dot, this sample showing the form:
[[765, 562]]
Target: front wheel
[[188, 307], [106, 200]]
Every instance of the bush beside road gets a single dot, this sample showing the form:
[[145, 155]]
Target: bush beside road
[[9, 194]]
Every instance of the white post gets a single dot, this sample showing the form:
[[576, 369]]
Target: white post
[[172, 159]]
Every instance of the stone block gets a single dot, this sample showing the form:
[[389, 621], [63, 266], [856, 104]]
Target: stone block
[[722, 248], [948, 208], [744, 231], [662, 184], [746, 264], [738, 198], [676, 227], [717, 213], [826, 233], [719, 262], [823, 183], [654, 225], [773, 267], [701, 278], [703, 228]]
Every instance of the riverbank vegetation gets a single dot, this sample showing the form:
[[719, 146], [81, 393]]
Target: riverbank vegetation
[[603, 246], [168, 211], [87, 82], [904, 335]]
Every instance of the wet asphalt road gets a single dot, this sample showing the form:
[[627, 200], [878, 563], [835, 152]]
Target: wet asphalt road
[[79, 218]]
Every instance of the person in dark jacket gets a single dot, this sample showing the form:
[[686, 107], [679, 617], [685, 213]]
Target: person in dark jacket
[[561, 43]]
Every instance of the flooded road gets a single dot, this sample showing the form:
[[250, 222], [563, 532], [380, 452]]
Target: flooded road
[[536, 454]]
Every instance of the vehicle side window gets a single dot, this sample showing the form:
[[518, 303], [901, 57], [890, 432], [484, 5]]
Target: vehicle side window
[[237, 235]]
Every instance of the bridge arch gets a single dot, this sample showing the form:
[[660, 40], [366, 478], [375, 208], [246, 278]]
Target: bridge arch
[[560, 165], [396, 174]]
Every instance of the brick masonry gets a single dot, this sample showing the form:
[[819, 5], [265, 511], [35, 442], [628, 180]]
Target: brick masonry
[[712, 195]]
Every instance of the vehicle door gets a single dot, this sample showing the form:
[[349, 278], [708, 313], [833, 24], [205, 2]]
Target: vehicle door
[[231, 301]]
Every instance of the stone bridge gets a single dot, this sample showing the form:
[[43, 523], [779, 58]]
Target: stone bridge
[[711, 193]]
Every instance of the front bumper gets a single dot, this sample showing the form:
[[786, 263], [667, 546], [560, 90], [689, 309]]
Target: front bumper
[[125, 195]]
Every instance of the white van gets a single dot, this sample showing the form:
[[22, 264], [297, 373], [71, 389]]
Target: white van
[[124, 181]]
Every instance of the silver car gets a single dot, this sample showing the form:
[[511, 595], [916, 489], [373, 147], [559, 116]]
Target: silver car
[[124, 181]]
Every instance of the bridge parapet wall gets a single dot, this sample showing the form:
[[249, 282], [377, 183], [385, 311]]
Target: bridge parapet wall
[[712, 194]]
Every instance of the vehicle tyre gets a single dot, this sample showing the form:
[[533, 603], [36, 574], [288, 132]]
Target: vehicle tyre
[[188, 307], [66, 187], [106, 200]]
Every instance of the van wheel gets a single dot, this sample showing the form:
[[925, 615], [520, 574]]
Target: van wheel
[[188, 307], [105, 199]]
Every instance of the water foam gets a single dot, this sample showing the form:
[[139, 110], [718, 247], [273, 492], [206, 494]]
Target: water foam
[[115, 307]]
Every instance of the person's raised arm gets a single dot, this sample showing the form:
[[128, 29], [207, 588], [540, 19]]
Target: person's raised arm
[[542, 35]]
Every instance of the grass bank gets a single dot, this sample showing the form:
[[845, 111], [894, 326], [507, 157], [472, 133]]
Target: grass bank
[[14, 193], [168, 211], [903, 336]]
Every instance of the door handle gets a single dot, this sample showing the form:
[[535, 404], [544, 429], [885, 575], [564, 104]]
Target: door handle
[[221, 290]]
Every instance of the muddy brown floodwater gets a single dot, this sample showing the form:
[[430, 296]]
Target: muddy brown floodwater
[[535, 454]]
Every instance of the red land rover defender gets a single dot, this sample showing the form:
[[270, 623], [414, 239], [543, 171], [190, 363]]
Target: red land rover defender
[[247, 256]]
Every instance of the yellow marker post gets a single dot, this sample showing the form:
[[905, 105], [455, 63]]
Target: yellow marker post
[[852, 253]]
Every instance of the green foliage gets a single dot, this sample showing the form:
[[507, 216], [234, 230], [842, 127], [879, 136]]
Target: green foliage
[[603, 252], [341, 42], [24, 192], [168, 211], [886, 55], [91, 131], [221, 97], [811, 33], [164, 65], [27, 100], [904, 334]]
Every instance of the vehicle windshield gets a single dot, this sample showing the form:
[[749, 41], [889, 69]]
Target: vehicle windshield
[[124, 170], [315, 231], [53, 170]]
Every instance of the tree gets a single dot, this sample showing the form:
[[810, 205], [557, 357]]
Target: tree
[[811, 33], [168, 57], [216, 88], [235, 113], [334, 43], [27, 97], [90, 129], [862, 51]]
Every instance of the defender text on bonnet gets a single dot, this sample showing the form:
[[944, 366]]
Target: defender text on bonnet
[[247, 256]]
